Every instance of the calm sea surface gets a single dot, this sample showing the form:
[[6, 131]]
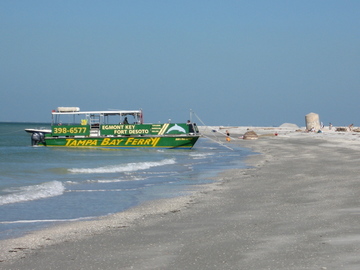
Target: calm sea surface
[[40, 186]]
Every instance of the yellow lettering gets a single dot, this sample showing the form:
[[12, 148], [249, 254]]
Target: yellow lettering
[[135, 142], [68, 141], [129, 141], [88, 142], [141, 142], [154, 141], [94, 142], [147, 141], [118, 141], [109, 141], [73, 143], [81, 142], [105, 141], [112, 142]]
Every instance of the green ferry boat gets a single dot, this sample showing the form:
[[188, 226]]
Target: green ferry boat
[[71, 127]]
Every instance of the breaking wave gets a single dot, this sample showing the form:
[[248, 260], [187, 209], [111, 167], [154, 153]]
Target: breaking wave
[[115, 180], [200, 155], [31, 193], [124, 167]]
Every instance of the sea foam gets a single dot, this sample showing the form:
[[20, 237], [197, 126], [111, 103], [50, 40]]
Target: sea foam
[[45, 220], [30, 193], [123, 167]]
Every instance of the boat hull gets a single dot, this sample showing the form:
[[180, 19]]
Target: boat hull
[[130, 142]]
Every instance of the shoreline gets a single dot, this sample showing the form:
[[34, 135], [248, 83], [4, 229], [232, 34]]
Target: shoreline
[[288, 211], [18, 247]]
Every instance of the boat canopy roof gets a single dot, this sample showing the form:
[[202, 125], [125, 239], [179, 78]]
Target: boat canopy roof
[[73, 115], [76, 110]]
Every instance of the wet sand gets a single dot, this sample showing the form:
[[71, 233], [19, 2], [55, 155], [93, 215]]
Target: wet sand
[[297, 207]]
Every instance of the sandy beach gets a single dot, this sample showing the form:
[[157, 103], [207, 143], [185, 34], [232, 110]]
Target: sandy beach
[[296, 207]]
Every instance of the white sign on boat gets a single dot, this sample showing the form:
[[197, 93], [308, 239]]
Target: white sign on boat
[[68, 109]]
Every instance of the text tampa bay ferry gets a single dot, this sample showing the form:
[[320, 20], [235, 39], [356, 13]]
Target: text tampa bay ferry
[[71, 127]]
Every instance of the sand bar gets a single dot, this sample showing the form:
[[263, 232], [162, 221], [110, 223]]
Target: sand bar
[[298, 207]]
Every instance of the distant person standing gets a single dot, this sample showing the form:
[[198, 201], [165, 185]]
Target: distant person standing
[[191, 127], [330, 126], [227, 136]]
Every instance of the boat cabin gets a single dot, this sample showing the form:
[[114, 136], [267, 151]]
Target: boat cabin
[[73, 116]]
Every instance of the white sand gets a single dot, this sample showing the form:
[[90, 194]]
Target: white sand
[[297, 208]]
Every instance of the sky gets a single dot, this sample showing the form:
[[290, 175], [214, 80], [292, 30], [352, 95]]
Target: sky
[[237, 63]]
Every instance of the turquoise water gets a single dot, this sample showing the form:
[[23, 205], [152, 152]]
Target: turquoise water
[[40, 186]]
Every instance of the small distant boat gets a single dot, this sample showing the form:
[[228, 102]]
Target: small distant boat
[[71, 127]]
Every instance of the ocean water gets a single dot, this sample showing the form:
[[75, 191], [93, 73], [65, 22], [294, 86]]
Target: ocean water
[[41, 186]]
